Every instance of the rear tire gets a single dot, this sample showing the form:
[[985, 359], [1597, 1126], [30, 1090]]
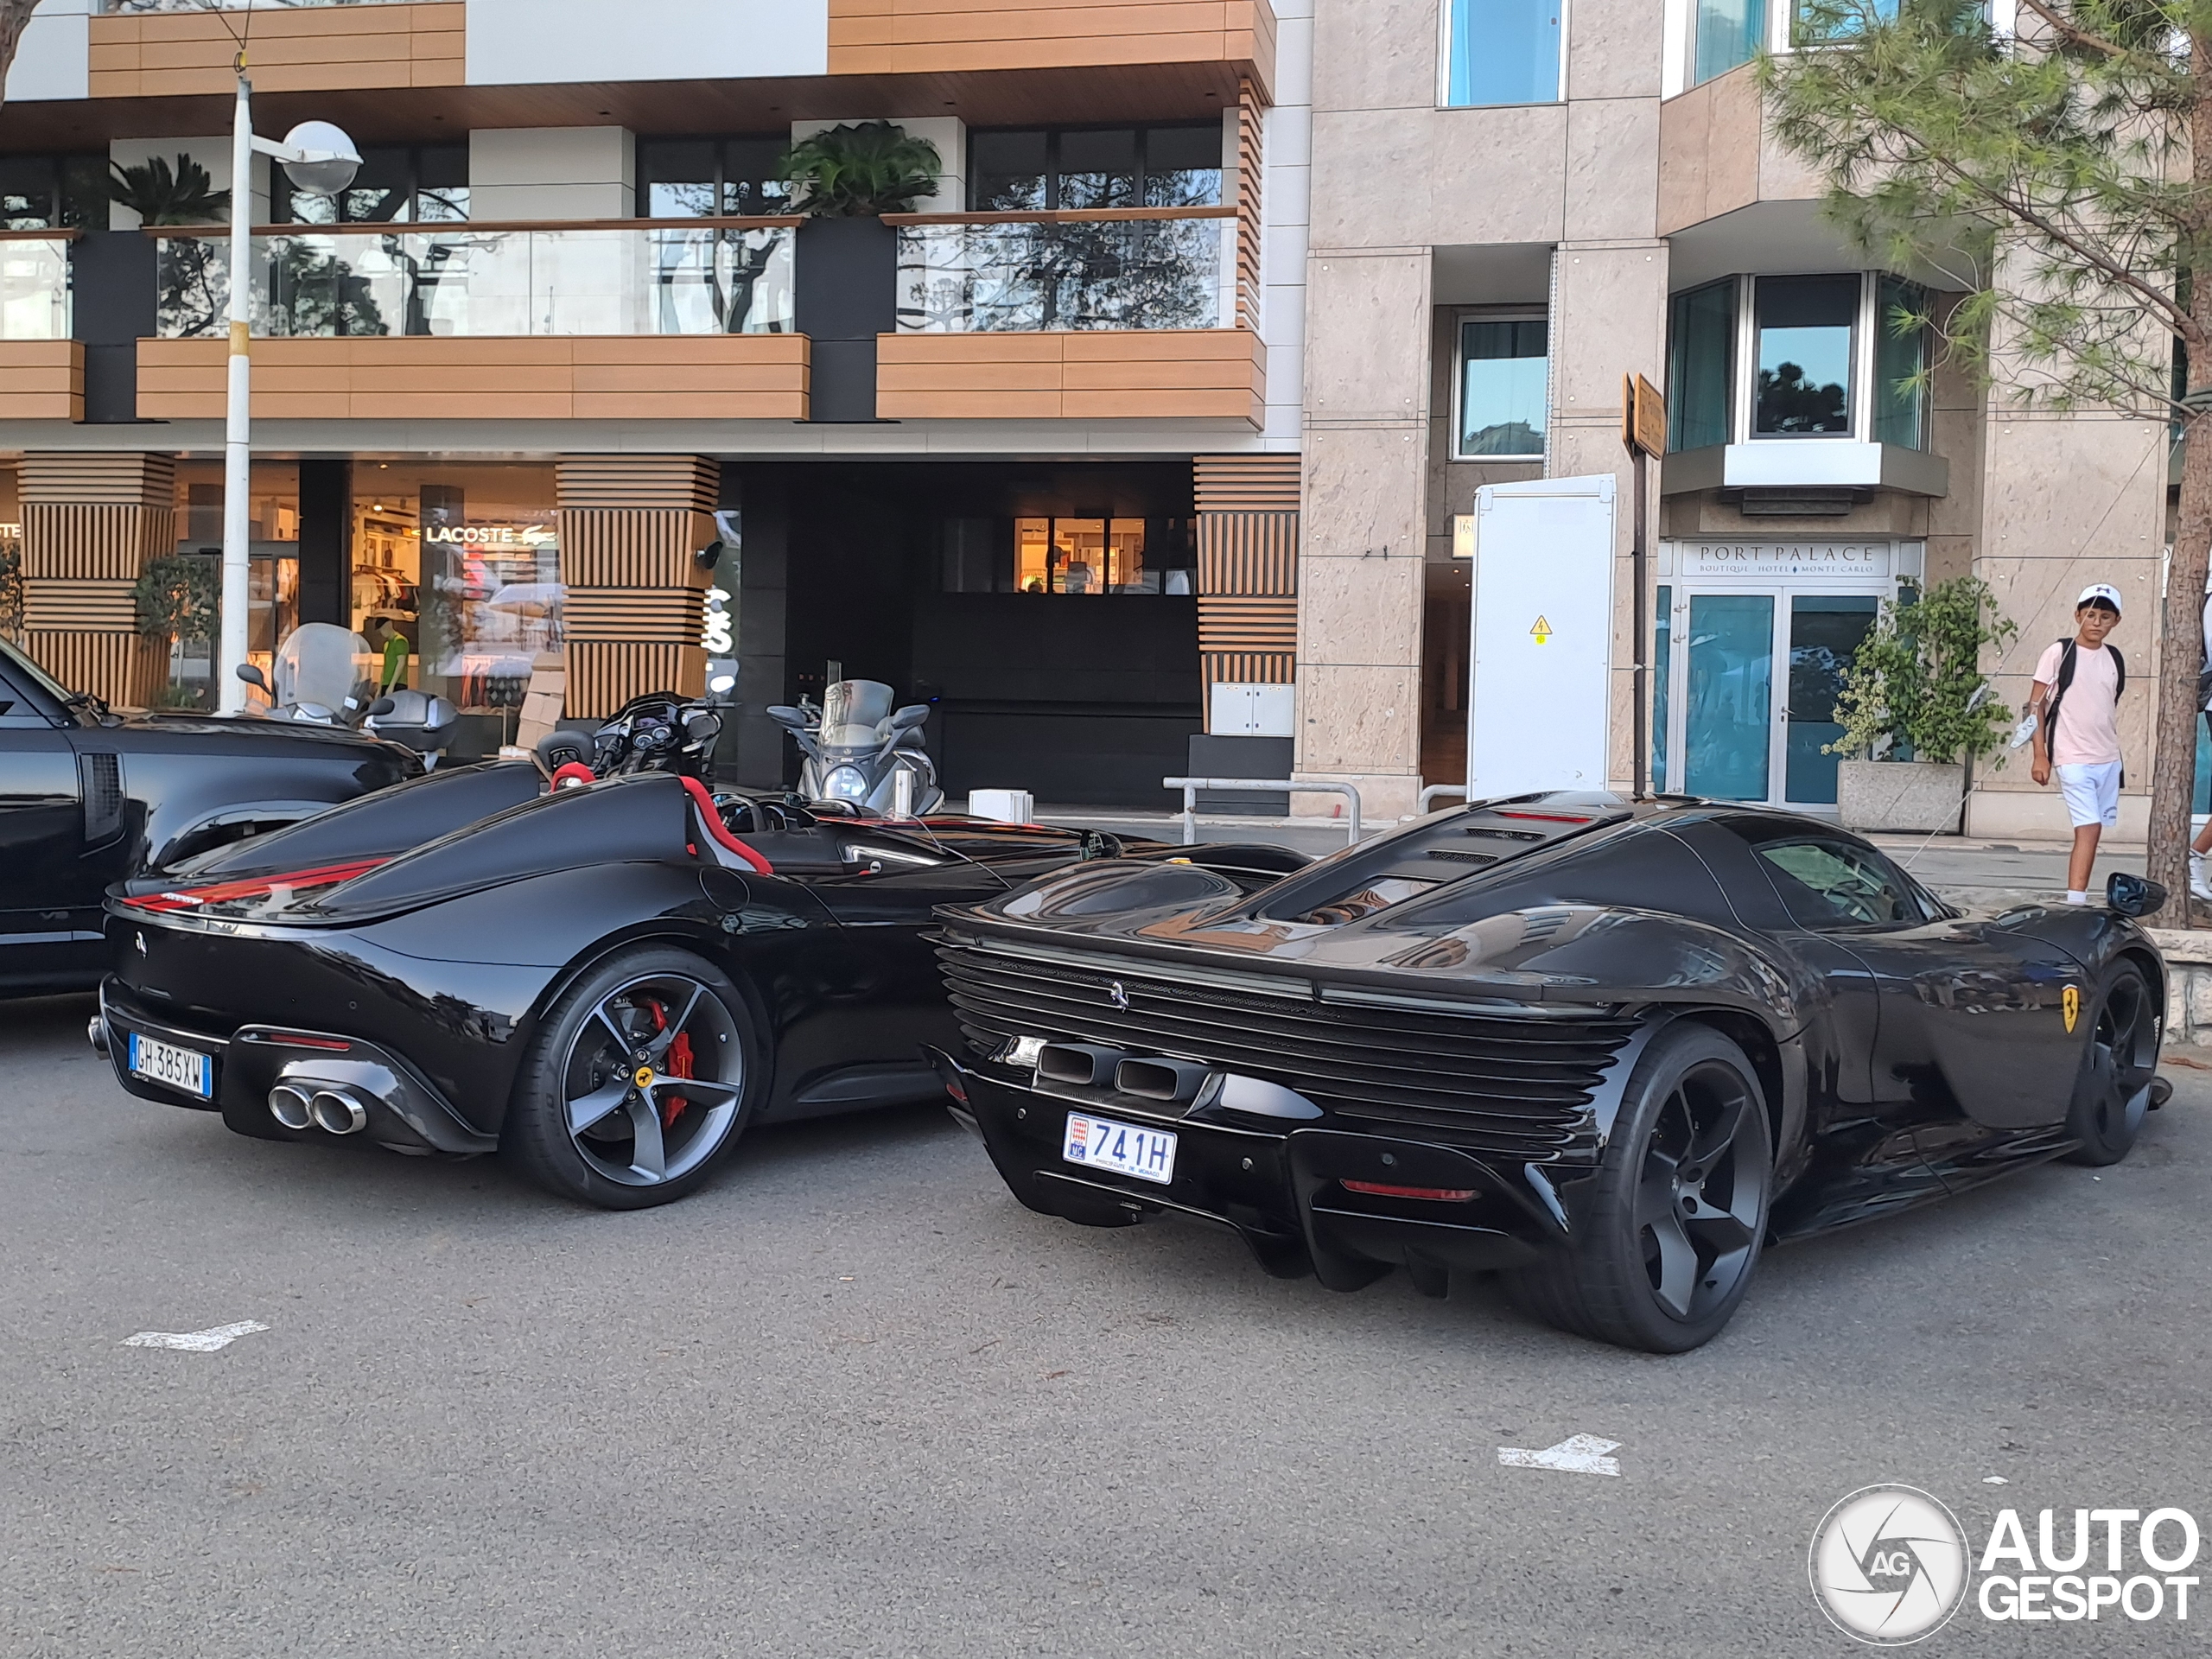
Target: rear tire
[[2119, 1065], [1672, 1233], [640, 1080]]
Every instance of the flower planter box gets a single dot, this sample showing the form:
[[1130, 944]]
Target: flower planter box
[[1900, 797]]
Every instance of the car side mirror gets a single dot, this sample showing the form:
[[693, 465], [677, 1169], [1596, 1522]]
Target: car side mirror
[[904, 720], [380, 707], [2133, 895], [252, 676]]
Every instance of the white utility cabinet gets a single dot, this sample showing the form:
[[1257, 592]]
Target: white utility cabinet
[[1249, 709], [1539, 667]]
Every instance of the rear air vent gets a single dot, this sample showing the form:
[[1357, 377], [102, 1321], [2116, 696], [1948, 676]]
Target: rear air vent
[[100, 778]]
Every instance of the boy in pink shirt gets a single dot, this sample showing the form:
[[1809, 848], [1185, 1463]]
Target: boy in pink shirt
[[2076, 703]]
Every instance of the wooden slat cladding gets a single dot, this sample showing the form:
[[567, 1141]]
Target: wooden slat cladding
[[691, 483], [915, 37], [87, 607], [633, 546], [123, 669], [580, 377], [303, 49], [119, 476], [604, 674], [1248, 667], [608, 614], [1248, 174], [1247, 622], [42, 379], [1245, 483], [1151, 374], [1247, 553]]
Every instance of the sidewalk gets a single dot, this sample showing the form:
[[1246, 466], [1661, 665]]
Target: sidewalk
[[1968, 871]]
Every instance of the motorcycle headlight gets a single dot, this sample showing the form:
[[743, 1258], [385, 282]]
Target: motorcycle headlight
[[845, 784]]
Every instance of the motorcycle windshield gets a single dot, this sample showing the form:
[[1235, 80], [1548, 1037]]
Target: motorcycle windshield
[[320, 663], [849, 704]]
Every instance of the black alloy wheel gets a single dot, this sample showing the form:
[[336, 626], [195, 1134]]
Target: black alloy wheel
[[639, 1080], [1668, 1242], [2119, 1065]]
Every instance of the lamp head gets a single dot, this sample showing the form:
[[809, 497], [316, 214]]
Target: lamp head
[[330, 161]]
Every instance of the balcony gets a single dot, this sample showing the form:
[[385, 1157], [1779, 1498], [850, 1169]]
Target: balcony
[[170, 48], [690, 320], [41, 368], [1106, 314]]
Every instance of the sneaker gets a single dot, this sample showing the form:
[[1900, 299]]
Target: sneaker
[[2198, 885]]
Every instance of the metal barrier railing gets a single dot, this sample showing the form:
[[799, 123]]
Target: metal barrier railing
[[1436, 790], [1191, 786]]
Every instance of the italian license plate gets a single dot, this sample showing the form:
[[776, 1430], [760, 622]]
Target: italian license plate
[[179, 1068], [1102, 1143]]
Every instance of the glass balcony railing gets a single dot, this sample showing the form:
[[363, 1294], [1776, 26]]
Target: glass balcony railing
[[141, 7], [692, 278], [995, 275], [34, 288]]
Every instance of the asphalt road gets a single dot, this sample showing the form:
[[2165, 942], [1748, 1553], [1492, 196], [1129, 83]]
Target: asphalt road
[[851, 1400]]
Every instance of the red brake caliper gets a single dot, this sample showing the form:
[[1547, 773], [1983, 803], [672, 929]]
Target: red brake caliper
[[679, 1063]]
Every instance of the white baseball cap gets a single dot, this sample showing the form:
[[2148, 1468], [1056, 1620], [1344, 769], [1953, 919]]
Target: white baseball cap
[[2103, 590]]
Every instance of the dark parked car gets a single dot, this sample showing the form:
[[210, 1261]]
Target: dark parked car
[[1610, 1051], [608, 983], [88, 797]]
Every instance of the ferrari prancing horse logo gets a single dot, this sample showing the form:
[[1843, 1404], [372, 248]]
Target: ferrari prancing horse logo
[[2070, 1001]]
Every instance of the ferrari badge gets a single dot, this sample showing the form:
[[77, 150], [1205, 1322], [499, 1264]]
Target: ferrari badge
[[2069, 999]]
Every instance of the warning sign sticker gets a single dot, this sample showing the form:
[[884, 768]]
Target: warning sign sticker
[[1542, 631]]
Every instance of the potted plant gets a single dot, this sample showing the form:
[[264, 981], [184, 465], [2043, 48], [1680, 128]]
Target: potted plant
[[844, 179], [1916, 707], [178, 598]]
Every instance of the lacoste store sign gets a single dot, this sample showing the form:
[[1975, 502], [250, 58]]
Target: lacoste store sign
[[1851, 560]]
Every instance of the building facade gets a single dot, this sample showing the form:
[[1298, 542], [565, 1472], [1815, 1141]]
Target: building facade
[[1516, 203], [561, 379]]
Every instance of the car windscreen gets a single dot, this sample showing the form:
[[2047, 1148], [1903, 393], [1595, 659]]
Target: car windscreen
[[22, 670]]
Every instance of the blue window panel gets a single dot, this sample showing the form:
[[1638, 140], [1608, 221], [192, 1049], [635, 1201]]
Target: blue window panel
[[1503, 52], [1662, 663]]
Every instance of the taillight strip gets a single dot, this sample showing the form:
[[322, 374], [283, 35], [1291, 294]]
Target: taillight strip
[[223, 893]]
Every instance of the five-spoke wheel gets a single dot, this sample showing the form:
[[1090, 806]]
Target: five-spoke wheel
[[641, 1076], [2113, 1089], [1663, 1250]]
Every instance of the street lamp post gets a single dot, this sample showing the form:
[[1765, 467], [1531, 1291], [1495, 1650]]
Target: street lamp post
[[319, 158]]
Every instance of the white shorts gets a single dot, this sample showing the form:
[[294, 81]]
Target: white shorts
[[2092, 791]]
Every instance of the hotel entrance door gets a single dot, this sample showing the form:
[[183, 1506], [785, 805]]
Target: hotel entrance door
[[1749, 663]]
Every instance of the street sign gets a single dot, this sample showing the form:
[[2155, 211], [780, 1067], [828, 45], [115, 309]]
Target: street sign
[[1643, 415]]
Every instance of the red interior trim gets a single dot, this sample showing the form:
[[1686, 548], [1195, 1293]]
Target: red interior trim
[[713, 822], [574, 773]]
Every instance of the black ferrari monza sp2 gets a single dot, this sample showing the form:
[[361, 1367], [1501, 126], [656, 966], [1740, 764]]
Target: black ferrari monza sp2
[[1609, 1051], [606, 983]]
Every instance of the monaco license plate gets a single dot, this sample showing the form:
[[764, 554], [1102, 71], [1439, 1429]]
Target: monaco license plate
[[1102, 1143], [179, 1068]]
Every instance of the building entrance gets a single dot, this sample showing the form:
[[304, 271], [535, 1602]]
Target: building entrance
[[1750, 649]]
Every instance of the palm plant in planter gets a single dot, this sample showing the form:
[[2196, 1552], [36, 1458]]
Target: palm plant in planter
[[861, 170], [1916, 707]]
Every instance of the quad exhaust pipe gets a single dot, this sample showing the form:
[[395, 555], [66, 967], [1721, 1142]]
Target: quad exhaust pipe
[[304, 1105]]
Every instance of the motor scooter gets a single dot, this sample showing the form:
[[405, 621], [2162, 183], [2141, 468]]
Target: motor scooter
[[415, 720], [318, 677], [861, 752], [658, 732]]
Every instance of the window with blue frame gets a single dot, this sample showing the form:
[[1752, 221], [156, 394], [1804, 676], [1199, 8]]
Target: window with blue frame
[[1502, 52]]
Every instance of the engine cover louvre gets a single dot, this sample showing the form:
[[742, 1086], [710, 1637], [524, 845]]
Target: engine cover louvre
[[1516, 1086]]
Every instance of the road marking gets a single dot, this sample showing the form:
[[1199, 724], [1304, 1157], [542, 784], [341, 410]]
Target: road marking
[[1578, 1454], [196, 1342]]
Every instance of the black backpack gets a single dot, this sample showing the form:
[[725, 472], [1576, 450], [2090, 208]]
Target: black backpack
[[2066, 678]]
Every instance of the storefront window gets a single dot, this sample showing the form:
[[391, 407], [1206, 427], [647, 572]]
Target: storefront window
[[461, 565], [273, 571], [711, 178], [1900, 401], [1504, 384], [1804, 355], [1700, 357], [1095, 167], [1066, 555]]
